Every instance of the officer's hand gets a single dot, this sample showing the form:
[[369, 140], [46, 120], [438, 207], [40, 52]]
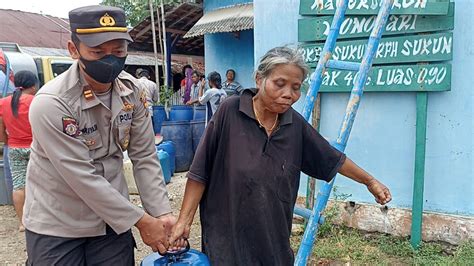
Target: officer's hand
[[169, 220], [153, 232], [179, 235], [380, 191]]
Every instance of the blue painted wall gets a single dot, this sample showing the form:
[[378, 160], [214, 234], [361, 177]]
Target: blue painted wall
[[223, 50], [383, 136]]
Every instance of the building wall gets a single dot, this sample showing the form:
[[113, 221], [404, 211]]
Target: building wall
[[224, 50], [383, 137]]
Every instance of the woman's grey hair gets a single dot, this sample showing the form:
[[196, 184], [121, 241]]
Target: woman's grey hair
[[278, 56]]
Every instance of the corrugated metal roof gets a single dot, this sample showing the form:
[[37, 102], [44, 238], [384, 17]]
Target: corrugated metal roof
[[228, 19], [178, 20], [30, 29]]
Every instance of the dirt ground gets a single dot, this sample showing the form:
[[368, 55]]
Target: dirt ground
[[12, 243]]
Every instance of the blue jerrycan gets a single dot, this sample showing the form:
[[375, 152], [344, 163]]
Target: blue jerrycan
[[183, 257]]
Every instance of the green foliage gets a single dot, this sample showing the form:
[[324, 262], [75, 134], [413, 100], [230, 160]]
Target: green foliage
[[331, 213], [165, 95], [137, 10], [347, 245]]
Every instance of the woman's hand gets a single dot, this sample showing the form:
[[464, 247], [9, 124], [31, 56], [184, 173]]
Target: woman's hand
[[380, 191], [179, 235]]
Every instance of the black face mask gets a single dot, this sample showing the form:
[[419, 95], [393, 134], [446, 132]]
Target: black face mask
[[106, 69]]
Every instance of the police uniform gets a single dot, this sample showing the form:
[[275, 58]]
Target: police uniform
[[76, 189]]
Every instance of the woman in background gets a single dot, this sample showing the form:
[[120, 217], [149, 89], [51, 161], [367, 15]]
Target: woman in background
[[16, 131]]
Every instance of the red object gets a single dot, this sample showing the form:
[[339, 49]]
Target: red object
[[3, 64], [18, 128]]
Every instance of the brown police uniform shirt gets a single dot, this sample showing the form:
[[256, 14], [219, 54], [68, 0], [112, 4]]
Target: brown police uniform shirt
[[252, 182], [75, 183]]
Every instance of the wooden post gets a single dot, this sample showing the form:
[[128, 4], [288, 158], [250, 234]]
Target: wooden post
[[311, 186], [155, 53]]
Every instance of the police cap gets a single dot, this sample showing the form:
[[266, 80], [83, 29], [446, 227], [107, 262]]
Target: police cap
[[94, 25]]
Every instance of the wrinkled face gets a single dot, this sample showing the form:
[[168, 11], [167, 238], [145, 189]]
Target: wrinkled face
[[230, 76], [195, 78], [281, 88]]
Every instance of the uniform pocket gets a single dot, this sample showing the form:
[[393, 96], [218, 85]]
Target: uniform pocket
[[287, 182], [93, 141]]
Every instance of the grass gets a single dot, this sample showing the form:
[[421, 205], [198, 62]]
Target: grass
[[345, 245]]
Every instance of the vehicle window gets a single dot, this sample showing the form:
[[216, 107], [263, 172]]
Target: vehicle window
[[59, 68]]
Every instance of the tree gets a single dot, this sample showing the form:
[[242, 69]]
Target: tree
[[137, 10]]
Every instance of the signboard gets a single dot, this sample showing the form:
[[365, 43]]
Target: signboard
[[404, 49], [432, 77], [317, 28], [371, 7]]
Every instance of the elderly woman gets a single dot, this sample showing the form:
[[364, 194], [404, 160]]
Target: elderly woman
[[246, 171]]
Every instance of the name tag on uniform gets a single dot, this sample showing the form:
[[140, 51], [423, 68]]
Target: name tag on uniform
[[89, 130], [124, 117]]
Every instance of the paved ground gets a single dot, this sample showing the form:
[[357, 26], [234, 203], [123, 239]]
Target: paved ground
[[12, 243]]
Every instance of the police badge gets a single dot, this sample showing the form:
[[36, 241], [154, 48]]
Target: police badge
[[70, 127]]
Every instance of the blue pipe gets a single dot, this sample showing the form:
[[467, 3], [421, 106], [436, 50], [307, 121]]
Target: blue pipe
[[316, 218], [315, 83], [317, 76], [343, 65], [303, 212]]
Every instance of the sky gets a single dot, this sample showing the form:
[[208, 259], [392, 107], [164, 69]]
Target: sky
[[57, 8]]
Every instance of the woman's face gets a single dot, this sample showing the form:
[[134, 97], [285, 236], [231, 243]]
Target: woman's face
[[281, 88]]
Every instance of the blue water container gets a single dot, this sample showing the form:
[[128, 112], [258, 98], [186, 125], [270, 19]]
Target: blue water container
[[199, 112], [185, 257], [169, 147], [159, 115], [197, 129], [181, 113], [165, 164], [179, 132]]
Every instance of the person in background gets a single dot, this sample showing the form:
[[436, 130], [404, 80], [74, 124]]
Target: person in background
[[230, 85], [186, 85], [8, 85], [77, 208], [214, 96], [15, 130], [150, 88], [197, 88], [246, 171]]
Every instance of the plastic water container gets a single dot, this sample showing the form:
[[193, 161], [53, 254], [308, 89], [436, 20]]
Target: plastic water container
[[199, 112], [169, 147], [186, 257], [159, 115], [165, 164], [181, 113], [179, 132], [197, 128]]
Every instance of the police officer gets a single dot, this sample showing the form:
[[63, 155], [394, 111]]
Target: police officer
[[77, 210]]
